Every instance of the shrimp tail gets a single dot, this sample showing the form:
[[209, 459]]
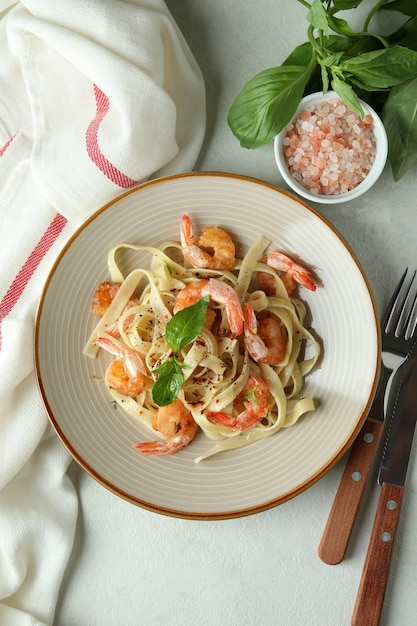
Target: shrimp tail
[[191, 252], [176, 423], [283, 263], [133, 362], [253, 343], [187, 238], [224, 294], [255, 394], [170, 446], [235, 317], [213, 249]]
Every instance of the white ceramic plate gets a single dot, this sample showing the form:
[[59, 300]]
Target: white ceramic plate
[[242, 481]]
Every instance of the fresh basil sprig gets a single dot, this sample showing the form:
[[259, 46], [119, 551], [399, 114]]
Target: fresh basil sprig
[[185, 326], [381, 70], [400, 120], [272, 95], [169, 382], [182, 329], [408, 7]]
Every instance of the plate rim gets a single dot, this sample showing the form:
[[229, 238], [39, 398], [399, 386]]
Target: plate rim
[[169, 511]]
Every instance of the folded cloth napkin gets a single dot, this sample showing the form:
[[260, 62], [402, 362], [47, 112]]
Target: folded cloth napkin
[[95, 96]]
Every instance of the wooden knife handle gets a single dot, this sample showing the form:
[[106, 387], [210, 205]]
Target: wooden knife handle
[[345, 507], [377, 564]]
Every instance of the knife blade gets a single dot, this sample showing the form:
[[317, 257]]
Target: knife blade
[[399, 440], [392, 478]]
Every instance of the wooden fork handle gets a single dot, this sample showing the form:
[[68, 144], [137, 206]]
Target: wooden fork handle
[[345, 507], [377, 564]]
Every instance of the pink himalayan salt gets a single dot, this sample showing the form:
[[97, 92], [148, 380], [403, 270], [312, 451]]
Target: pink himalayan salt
[[329, 149]]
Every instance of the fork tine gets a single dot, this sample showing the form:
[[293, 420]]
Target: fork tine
[[411, 329], [392, 311], [401, 314], [405, 317]]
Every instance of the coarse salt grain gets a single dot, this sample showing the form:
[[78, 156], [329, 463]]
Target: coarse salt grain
[[334, 146]]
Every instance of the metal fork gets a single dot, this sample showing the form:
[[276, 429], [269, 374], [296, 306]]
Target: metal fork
[[399, 332], [399, 324]]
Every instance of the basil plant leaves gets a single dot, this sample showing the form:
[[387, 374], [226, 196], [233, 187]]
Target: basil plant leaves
[[381, 70]]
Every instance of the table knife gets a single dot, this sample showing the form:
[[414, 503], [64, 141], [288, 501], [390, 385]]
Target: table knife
[[340, 522], [392, 476]]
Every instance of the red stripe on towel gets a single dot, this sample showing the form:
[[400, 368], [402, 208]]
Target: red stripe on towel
[[22, 278], [93, 149], [6, 145]]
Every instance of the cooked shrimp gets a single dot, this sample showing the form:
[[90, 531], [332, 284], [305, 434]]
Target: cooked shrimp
[[255, 402], [268, 284], [214, 249], [102, 298], [220, 292], [190, 295], [176, 423], [269, 344], [293, 273], [128, 374]]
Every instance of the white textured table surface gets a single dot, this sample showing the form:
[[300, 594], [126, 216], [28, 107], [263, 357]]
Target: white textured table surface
[[133, 567]]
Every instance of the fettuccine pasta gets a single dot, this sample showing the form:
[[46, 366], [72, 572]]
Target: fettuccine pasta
[[231, 389]]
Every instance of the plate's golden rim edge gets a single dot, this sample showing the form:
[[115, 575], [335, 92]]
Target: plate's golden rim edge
[[171, 512]]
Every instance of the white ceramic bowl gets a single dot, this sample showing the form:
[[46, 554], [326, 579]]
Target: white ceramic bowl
[[371, 178]]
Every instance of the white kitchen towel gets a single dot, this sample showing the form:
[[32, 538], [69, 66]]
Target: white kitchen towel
[[95, 96]]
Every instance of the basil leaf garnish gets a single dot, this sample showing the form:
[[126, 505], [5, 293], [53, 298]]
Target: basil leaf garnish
[[251, 395], [185, 326], [169, 382]]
